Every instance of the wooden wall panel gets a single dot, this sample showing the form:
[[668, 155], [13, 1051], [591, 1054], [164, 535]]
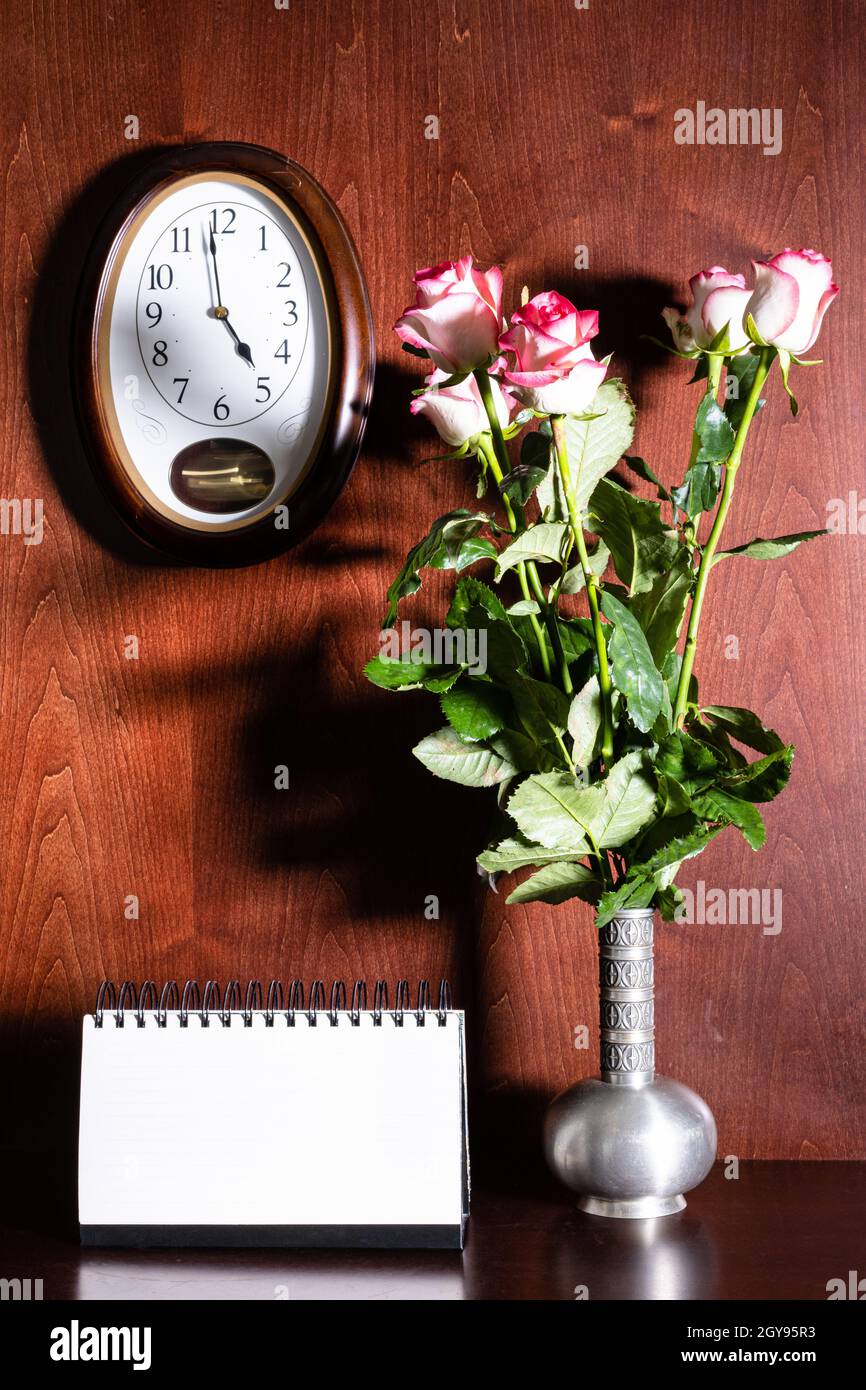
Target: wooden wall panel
[[155, 777]]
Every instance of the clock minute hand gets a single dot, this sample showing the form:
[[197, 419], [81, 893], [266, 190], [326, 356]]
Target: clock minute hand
[[216, 275], [222, 312]]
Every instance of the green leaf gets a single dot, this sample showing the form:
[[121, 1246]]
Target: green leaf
[[670, 841], [573, 581], [406, 673], [641, 469], [626, 804], [689, 762], [541, 707], [471, 593], [584, 722], [714, 431], [544, 541], [550, 496], [632, 893], [520, 483], [595, 446], [761, 780], [701, 371], [476, 709], [576, 636], [516, 853], [785, 367], [661, 609], [535, 451], [669, 901], [641, 546], [745, 726], [760, 549], [740, 379], [476, 609], [556, 883], [633, 670], [523, 753], [553, 812], [523, 608], [446, 755], [717, 739], [699, 489], [674, 800], [449, 544], [471, 549], [716, 804], [502, 648]]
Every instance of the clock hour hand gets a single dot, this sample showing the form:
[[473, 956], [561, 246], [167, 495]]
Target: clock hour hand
[[221, 312], [244, 350]]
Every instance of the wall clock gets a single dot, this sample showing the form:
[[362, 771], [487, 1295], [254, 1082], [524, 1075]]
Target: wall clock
[[224, 354]]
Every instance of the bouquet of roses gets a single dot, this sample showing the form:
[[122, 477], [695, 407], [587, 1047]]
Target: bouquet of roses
[[609, 769]]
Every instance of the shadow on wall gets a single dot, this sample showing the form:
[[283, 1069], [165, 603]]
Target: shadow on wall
[[629, 308], [49, 352]]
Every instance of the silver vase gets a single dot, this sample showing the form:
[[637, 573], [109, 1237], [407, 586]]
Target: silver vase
[[629, 1142]]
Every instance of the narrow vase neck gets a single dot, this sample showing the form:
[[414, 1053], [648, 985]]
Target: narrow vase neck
[[627, 1012]]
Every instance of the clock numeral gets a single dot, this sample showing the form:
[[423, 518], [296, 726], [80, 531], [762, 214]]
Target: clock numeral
[[221, 410], [284, 283], [154, 313], [292, 307], [227, 229], [283, 350], [262, 385], [160, 356], [161, 277], [262, 229], [185, 380], [178, 235]]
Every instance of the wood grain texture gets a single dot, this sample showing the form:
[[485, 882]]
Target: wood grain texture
[[155, 777]]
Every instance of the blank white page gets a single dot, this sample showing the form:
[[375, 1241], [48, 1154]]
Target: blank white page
[[307, 1125]]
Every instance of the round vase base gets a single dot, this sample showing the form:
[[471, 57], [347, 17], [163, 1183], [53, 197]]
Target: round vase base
[[631, 1208]]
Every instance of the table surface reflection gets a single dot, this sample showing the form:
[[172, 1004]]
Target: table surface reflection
[[778, 1230]]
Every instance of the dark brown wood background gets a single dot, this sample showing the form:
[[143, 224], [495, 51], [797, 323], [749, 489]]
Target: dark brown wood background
[[155, 777]]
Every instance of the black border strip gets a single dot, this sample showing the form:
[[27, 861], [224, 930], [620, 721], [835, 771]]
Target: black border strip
[[279, 1237]]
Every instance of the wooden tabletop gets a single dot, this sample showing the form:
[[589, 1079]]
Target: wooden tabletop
[[778, 1231]]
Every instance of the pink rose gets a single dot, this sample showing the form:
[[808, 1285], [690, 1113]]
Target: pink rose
[[555, 372], [793, 292], [457, 412], [457, 315], [719, 300]]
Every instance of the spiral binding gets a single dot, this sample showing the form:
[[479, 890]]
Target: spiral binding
[[224, 1006]]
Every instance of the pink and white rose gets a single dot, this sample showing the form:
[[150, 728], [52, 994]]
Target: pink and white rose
[[793, 291], [457, 315], [719, 299], [457, 412], [554, 371]]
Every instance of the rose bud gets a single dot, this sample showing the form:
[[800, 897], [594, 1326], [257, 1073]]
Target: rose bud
[[457, 315], [719, 300], [554, 372], [793, 292], [457, 412]]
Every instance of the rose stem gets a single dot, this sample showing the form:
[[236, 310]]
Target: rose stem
[[709, 550], [591, 580], [499, 466]]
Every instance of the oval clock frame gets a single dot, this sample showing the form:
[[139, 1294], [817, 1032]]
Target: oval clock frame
[[351, 364]]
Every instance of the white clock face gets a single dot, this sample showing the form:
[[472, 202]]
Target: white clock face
[[219, 351]]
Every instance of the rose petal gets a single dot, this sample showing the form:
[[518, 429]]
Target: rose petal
[[774, 301], [727, 305]]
